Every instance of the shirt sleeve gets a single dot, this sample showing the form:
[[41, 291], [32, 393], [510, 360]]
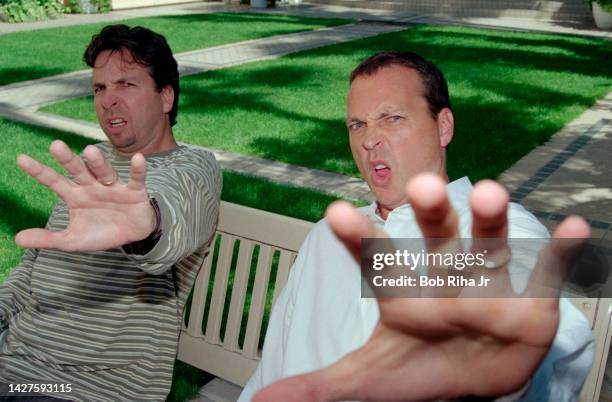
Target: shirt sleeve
[[562, 373], [15, 291], [188, 200]]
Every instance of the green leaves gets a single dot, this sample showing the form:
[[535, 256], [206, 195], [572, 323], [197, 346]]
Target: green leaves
[[29, 10], [605, 4]]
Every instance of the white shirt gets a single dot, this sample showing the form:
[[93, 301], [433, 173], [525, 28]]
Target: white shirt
[[320, 316]]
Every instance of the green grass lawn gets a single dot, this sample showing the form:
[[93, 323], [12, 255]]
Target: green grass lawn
[[510, 92], [60, 50]]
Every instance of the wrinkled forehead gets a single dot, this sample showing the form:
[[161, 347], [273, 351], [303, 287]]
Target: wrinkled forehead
[[123, 58], [388, 88]]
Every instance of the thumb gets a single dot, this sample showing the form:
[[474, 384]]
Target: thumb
[[41, 238]]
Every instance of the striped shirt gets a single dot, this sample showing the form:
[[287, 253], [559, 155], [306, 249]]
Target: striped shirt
[[107, 322]]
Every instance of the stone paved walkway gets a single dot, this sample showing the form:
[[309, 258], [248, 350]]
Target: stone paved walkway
[[571, 173], [515, 24]]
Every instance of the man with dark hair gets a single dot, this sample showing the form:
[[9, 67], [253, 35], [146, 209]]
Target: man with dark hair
[[339, 346], [94, 309], [147, 48]]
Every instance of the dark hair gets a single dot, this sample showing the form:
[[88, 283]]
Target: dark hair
[[436, 89], [147, 48]]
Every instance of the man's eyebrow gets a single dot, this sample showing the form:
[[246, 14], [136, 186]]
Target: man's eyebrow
[[380, 115], [126, 78], [353, 120], [118, 80]]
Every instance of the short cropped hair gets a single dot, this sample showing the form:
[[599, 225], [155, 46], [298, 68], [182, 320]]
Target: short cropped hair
[[436, 89], [147, 48]]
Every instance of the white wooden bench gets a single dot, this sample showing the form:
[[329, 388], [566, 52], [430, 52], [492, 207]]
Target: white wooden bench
[[220, 353]]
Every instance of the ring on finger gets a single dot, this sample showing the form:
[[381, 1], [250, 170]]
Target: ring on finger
[[498, 258], [110, 182]]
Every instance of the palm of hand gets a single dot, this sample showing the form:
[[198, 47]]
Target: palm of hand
[[104, 212], [102, 218], [473, 349]]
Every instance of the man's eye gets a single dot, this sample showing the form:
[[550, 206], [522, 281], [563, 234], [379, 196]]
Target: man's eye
[[355, 126], [394, 119], [96, 90]]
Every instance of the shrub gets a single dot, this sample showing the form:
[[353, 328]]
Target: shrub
[[605, 4], [29, 10], [76, 7]]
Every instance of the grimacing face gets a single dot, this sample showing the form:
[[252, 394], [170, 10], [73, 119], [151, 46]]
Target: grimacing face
[[131, 112], [392, 133]]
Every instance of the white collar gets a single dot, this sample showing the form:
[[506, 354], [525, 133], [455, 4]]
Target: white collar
[[460, 186]]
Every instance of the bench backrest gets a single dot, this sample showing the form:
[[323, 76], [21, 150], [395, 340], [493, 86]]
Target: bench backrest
[[205, 346]]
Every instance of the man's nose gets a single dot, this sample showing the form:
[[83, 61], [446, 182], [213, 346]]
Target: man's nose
[[373, 138], [109, 99]]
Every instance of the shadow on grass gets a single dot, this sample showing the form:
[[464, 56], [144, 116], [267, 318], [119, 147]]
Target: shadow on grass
[[12, 75], [490, 134], [75, 142], [186, 382], [210, 94], [254, 18], [576, 55], [17, 217]]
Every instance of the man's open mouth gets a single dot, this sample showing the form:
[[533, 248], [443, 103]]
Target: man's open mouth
[[118, 122], [380, 166]]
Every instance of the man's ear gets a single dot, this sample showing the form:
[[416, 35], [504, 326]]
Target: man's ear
[[446, 126], [167, 94]]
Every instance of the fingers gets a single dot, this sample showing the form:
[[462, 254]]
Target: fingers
[[99, 166], [138, 173], [350, 226], [555, 259], [44, 175], [439, 224], [433, 211], [572, 227], [40, 238], [71, 162], [489, 204]]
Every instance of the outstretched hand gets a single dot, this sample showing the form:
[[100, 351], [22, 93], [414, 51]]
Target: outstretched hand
[[440, 348], [104, 211]]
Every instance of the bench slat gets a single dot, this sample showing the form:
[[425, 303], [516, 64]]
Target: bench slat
[[215, 315], [284, 265], [239, 289], [258, 302], [198, 303]]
